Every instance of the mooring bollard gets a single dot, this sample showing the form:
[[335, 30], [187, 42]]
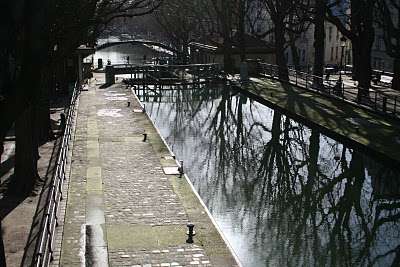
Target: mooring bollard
[[144, 108], [190, 233], [144, 137], [129, 104], [180, 169]]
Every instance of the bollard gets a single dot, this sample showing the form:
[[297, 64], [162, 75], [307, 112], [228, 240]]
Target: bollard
[[384, 104], [357, 129], [180, 169], [190, 233], [144, 137], [144, 108], [129, 104]]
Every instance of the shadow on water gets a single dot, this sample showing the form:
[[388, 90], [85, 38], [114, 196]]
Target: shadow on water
[[284, 194]]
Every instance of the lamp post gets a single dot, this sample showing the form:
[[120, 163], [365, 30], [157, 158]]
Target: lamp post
[[342, 44]]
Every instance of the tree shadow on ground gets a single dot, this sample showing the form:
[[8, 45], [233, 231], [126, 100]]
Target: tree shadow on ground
[[43, 190], [105, 86]]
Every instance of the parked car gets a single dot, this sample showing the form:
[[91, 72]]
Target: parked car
[[329, 70]]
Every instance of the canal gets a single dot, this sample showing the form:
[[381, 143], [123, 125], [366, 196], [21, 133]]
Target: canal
[[137, 53], [283, 194]]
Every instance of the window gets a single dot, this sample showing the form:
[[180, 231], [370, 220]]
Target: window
[[330, 34], [304, 55], [332, 53], [337, 53]]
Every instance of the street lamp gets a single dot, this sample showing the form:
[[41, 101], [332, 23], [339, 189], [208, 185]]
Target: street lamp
[[342, 44]]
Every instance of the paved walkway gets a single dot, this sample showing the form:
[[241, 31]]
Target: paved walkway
[[122, 209]]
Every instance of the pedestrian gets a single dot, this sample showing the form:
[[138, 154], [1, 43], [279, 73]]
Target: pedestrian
[[327, 75]]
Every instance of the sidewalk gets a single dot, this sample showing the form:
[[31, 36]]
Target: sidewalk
[[347, 123], [122, 209]]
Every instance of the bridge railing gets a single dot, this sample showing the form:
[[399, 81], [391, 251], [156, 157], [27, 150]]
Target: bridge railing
[[44, 251], [374, 100], [157, 73]]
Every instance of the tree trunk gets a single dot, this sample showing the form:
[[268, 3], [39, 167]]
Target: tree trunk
[[396, 71], [364, 61], [26, 153], [279, 32], [362, 26], [319, 38], [295, 53], [44, 121], [2, 251], [241, 30], [228, 62], [396, 67]]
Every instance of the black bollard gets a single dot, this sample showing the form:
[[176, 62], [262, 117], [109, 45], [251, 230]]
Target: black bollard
[[190, 233], [384, 104], [144, 137], [129, 104], [180, 169]]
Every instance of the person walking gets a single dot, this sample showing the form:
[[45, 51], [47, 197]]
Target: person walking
[[328, 74]]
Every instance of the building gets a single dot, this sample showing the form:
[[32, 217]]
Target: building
[[256, 50]]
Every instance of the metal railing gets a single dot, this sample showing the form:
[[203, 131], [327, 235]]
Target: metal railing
[[44, 251], [372, 99]]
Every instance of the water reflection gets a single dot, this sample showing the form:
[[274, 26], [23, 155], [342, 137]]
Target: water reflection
[[283, 194]]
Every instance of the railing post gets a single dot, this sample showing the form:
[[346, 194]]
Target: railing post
[[306, 81], [395, 103], [342, 89], [384, 104]]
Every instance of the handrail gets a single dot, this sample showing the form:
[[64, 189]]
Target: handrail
[[44, 251], [373, 100]]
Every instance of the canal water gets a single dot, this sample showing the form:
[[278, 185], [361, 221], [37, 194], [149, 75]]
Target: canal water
[[283, 194], [137, 53]]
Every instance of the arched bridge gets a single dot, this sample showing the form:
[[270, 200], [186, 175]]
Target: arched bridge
[[146, 42]]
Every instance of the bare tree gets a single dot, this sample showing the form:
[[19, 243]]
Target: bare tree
[[388, 18], [179, 22], [29, 53], [278, 23], [354, 19]]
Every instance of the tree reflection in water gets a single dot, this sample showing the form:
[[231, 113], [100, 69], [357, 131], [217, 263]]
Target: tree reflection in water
[[284, 194]]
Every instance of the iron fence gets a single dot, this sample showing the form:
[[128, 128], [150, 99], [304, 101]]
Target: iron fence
[[44, 250], [373, 99]]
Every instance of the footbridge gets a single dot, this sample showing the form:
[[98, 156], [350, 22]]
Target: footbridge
[[163, 74], [166, 47]]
